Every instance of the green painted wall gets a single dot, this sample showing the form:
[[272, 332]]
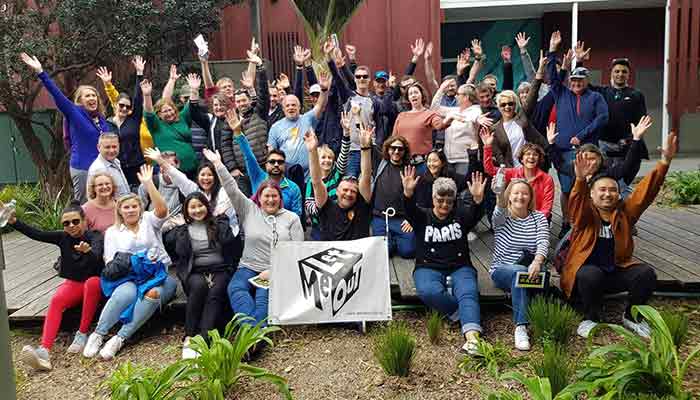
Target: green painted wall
[[15, 163]]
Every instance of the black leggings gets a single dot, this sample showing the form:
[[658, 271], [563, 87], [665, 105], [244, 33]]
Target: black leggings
[[639, 281], [205, 304]]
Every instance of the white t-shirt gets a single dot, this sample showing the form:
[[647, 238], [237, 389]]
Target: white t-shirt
[[516, 137], [149, 236], [460, 136]]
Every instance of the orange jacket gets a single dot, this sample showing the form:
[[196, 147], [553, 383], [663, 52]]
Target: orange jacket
[[586, 223]]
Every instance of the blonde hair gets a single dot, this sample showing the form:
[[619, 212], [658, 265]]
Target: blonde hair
[[517, 181], [225, 80], [118, 220], [512, 95], [91, 194], [166, 102], [324, 149], [78, 94]]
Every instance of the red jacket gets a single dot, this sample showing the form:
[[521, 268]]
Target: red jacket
[[543, 184]]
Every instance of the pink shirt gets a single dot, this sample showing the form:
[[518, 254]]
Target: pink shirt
[[98, 219], [417, 128]]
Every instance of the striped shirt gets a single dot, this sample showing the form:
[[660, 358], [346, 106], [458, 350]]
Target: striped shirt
[[331, 182], [514, 235]]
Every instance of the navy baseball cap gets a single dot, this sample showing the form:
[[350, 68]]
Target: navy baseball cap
[[381, 75]]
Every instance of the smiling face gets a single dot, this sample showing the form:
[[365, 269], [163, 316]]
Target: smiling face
[[108, 147], [274, 97], [196, 210], [104, 187], [89, 99], [225, 85], [578, 85], [274, 165], [130, 211], [326, 159], [167, 113], [270, 200], [491, 82], [531, 159], [605, 194], [519, 197], [434, 164], [443, 205], [484, 98], [396, 151], [415, 97], [362, 79], [589, 155], [522, 94], [506, 105], [620, 75], [218, 107], [451, 89], [205, 179], [291, 106], [379, 86], [242, 101], [347, 193], [124, 107], [73, 224]]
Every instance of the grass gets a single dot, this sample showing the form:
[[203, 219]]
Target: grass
[[554, 365], [395, 349], [552, 320], [435, 326], [493, 358], [678, 326]]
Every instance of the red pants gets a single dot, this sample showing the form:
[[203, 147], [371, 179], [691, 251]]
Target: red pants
[[70, 294]]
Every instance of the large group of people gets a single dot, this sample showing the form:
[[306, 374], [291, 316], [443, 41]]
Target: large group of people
[[245, 167]]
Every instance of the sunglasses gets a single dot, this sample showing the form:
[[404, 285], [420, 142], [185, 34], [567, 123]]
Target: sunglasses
[[72, 222], [508, 104], [349, 178], [448, 202], [275, 162], [361, 76], [125, 106], [397, 148]]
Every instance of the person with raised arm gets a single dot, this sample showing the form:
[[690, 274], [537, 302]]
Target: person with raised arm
[[600, 260], [85, 122]]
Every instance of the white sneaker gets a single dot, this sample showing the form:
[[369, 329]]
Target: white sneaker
[[111, 348], [78, 343], [35, 358], [471, 236], [93, 345], [187, 352], [522, 340], [640, 328], [585, 327]]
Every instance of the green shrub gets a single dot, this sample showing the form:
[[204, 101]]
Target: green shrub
[[131, 382], [552, 320], [435, 325], [31, 209], [555, 366], [490, 357], [678, 326], [395, 348], [685, 187]]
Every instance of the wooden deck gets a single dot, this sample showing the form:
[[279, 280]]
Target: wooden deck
[[667, 239]]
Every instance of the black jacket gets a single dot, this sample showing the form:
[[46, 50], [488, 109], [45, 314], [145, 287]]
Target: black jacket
[[179, 239], [74, 265], [217, 133]]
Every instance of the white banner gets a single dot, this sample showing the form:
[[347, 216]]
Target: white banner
[[317, 282]]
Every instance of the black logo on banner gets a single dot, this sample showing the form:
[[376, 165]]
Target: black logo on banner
[[330, 277]]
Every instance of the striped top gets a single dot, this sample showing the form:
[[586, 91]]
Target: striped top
[[515, 235], [331, 182]]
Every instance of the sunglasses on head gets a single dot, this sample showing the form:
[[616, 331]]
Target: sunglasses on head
[[71, 222], [125, 106], [361, 76], [508, 104], [349, 178], [275, 162], [396, 148]]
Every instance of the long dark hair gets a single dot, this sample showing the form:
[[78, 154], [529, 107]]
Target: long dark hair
[[445, 166], [216, 185], [209, 220]]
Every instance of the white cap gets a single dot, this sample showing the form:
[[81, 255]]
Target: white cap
[[315, 88]]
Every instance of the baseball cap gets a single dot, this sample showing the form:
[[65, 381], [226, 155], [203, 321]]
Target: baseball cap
[[315, 88], [579, 73], [381, 75], [621, 61]]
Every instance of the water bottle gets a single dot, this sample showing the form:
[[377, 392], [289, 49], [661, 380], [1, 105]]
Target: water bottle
[[6, 211], [500, 185]]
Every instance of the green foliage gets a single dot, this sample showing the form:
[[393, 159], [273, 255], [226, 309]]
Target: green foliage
[[395, 348], [555, 366], [552, 320], [635, 366], [685, 187], [131, 382], [677, 325], [435, 324], [490, 357], [32, 209]]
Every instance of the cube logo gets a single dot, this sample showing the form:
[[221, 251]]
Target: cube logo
[[330, 278]]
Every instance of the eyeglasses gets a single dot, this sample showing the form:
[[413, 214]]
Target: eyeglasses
[[125, 106], [361, 76], [442, 201], [397, 148], [275, 162], [508, 104], [68, 223]]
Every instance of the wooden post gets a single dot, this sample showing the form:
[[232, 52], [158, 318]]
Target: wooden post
[[7, 371]]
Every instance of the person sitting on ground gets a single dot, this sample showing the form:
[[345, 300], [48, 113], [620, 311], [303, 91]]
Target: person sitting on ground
[[135, 291], [85, 117], [442, 251], [521, 245], [348, 217], [108, 161], [331, 172], [79, 264], [599, 260], [265, 221], [531, 159], [206, 255], [99, 209]]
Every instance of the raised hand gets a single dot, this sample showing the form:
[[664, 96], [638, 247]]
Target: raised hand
[[417, 48], [671, 149], [173, 73], [254, 46], [392, 80], [233, 121], [428, 51], [352, 52], [146, 87], [253, 57], [584, 167], [139, 64], [310, 140], [345, 121], [366, 135], [213, 156], [324, 80], [246, 79], [476, 48], [641, 127], [338, 57], [486, 136], [283, 80], [551, 132], [477, 186], [581, 52], [462, 61], [568, 57], [194, 81], [32, 62], [506, 53], [328, 47], [522, 40], [145, 175], [82, 247], [541, 68], [105, 75], [153, 154], [445, 84], [409, 179], [554, 41], [298, 55]]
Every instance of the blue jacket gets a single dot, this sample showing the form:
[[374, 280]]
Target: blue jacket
[[291, 194], [593, 111]]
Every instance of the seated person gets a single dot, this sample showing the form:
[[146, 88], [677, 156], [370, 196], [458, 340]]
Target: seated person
[[600, 257], [107, 160], [348, 218], [80, 265], [168, 190], [99, 209], [442, 250], [521, 236]]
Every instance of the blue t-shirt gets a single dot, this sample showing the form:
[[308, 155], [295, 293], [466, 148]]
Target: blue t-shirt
[[288, 136]]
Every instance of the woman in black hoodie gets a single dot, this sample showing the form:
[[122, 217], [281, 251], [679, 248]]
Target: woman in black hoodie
[[80, 265]]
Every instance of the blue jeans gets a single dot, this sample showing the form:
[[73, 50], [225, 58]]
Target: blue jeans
[[505, 277], [402, 243], [247, 299], [566, 181], [432, 290], [353, 168], [124, 296]]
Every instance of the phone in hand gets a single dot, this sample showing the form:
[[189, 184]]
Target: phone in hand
[[336, 42]]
